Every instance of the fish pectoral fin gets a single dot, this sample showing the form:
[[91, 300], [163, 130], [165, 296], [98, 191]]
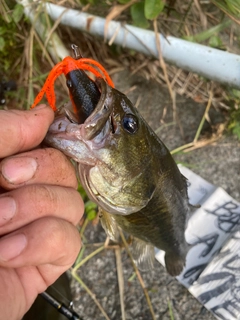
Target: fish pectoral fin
[[174, 263], [143, 254], [109, 225]]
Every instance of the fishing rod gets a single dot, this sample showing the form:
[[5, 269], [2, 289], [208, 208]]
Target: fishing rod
[[68, 312], [55, 303]]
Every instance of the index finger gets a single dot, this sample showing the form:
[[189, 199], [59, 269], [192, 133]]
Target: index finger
[[23, 130]]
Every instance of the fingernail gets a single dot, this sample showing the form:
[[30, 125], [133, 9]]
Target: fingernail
[[7, 209], [12, 246], [19, 170]]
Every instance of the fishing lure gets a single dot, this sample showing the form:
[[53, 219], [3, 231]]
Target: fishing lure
[[83, 91]]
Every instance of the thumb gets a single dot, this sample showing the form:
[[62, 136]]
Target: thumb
[[23, 130]]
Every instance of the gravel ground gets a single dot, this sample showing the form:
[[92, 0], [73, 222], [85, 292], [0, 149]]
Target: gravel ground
[[217, 163]]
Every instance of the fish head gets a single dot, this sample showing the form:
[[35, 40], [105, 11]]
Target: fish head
[[114, 151]]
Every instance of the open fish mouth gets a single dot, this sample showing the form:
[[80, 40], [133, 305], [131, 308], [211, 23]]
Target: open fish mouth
[[94, 130]]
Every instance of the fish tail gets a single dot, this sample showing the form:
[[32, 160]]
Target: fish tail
[[174, 263]]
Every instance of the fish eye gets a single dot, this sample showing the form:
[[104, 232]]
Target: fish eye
[[130, 123], [69, 83]]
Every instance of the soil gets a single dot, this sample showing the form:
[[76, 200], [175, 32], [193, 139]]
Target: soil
[[218, 163]]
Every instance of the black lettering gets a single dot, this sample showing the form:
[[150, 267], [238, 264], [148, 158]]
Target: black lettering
[[227, 216]]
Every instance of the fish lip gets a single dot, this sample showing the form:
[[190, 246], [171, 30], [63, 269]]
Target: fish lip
[[59, 125], [97, 127], [100, 119]]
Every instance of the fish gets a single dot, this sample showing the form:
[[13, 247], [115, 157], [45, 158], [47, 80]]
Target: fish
[[130, 174]]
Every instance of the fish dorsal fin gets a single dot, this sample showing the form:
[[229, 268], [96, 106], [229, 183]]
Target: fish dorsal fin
[[143, 254], [109, 225]]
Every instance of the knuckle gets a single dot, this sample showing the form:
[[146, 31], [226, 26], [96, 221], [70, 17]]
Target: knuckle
[[65, 241], [63, 173], [48, 200], [42, 196]]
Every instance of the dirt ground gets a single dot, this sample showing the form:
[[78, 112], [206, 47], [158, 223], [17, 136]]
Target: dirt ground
[[218, 163]]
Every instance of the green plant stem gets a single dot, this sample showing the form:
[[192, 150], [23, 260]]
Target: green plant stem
[[120, 281], [85, 223], [30, 66], [185, 16], [138, 275], [191, 144], [203, 118], [85, 287], [181, 148], [77, 266], [170, 310], [80, 255]]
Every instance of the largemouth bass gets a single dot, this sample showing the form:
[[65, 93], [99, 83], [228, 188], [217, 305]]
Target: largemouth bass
[[128, 171]]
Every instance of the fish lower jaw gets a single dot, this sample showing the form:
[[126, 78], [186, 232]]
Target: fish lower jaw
[[95, 140], [111, 208]]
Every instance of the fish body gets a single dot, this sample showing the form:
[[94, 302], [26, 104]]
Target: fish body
[[128, 171]]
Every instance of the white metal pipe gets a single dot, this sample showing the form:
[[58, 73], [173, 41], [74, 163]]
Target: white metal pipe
[[211, 63]]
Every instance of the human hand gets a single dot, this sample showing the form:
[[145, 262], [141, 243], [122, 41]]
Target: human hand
[[39, 209]]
